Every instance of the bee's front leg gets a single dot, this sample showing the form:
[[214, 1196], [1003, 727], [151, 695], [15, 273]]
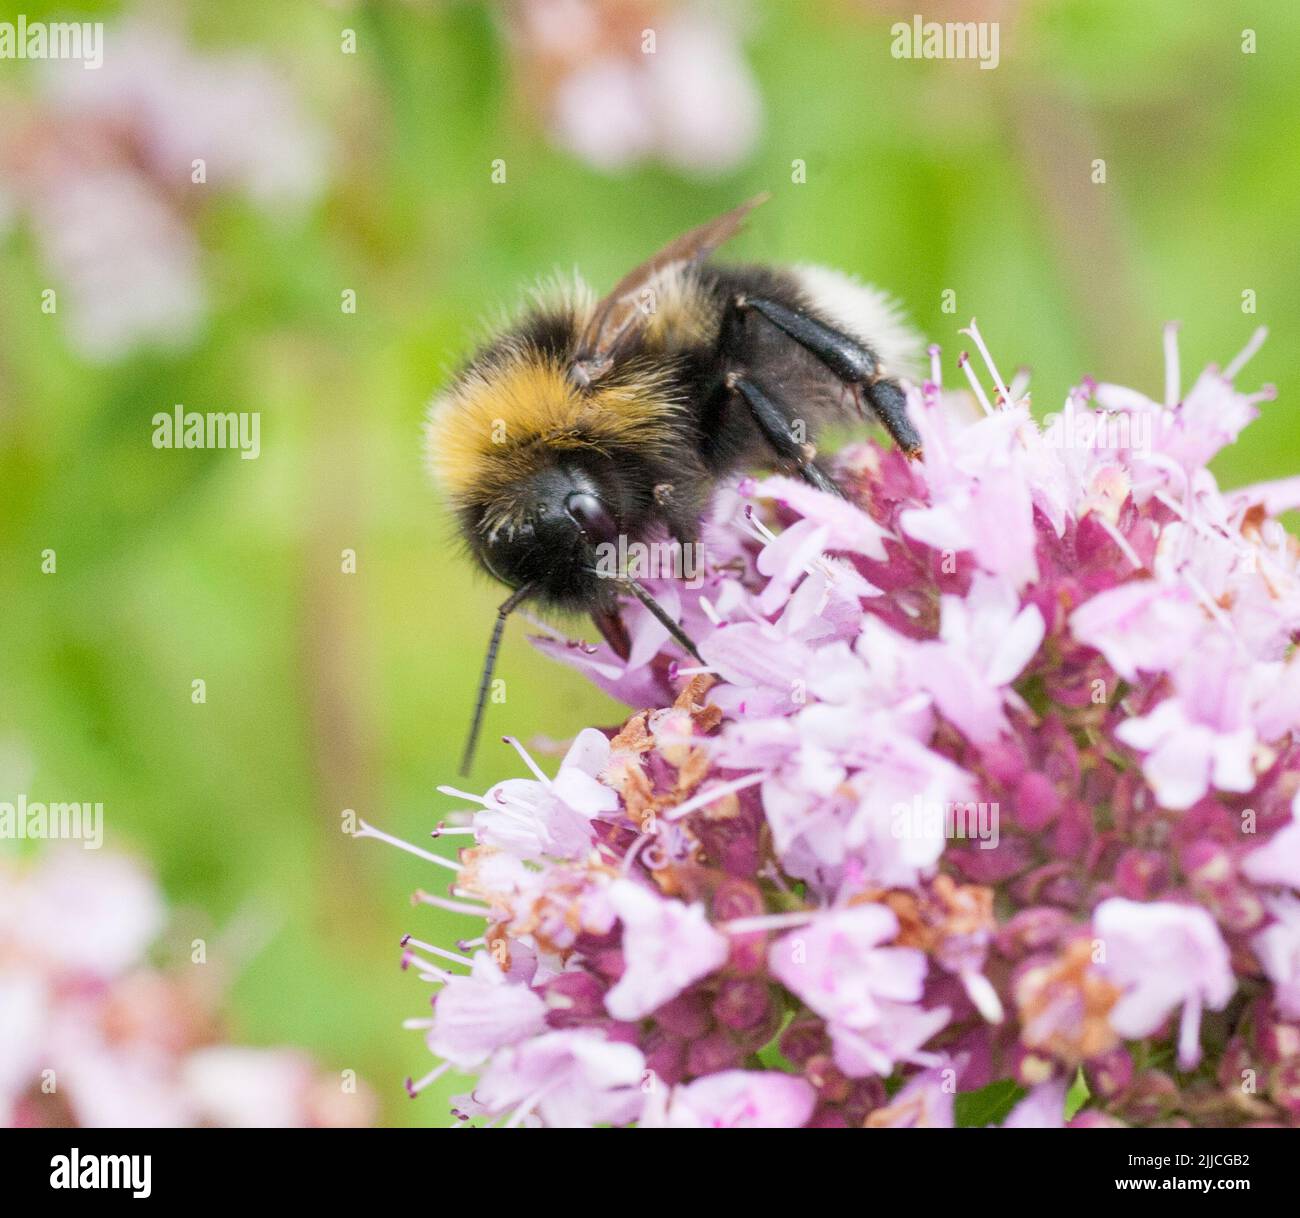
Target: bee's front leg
[[614, 630], [611, 625]]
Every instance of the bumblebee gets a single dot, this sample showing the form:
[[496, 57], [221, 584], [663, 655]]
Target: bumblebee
[[589, 421]]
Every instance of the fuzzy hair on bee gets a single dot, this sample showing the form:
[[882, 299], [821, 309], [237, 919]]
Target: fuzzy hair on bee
[[586, 421]]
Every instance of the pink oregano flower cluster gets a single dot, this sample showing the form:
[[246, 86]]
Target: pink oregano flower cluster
[[110, 1019], [991, 773]]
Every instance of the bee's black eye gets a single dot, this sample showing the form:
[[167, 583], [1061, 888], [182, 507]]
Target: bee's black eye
[[591, 516]]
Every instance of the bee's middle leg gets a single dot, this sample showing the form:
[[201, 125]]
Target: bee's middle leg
[[778, 431], [846, 358]]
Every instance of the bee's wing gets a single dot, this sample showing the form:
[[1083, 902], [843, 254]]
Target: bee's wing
[[621, 314]]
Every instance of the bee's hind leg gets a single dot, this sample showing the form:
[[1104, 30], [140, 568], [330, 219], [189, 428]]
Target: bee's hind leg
[[776, 429], [847, 359]]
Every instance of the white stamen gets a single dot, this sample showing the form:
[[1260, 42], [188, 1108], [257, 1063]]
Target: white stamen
[[936, 367], [713, 795], [1245, 354], [438, 951], [425, 898], [1173, 376], [1189, 1034], [1121, 541], [427, 970], [428, 856], [1208, 603], [981, 992], [458, 794], [1195, 525], [520, 1114], [1164, 461], [1172, 504], [973, 332], [963, 362], [760, 529], [745, 926], [528, 761], [414, 1089], [1017, 703]]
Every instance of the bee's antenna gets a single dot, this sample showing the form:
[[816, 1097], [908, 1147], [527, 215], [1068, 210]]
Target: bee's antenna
[[480, 703], [664, 620]]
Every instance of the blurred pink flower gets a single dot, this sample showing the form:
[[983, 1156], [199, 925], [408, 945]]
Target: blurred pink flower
[[838, 966], [627, 81], [666, 946], [95, 1036], [569, 1079], [1145, 625], [478, 1014], [985, 641], [109, 167], [1165, 957], [533, 819], [1042, 1108], [81, 915], [1278, 949], [1278, 860], [735, 1099]]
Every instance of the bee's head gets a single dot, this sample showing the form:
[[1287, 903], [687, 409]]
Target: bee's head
[[555, 530], [543, 474]]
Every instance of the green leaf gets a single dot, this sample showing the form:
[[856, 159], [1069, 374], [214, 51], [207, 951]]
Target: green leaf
[[1077, 1096], [770, 1054], [987, 1106]]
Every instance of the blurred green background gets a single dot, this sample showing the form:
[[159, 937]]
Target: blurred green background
[[328, 690]]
